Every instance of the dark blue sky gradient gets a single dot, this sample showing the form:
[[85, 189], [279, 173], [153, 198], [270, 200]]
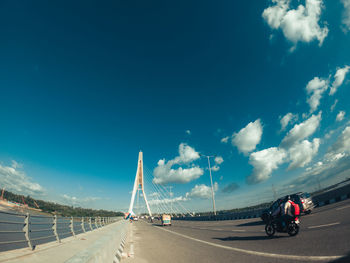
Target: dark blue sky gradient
[[86, 84]]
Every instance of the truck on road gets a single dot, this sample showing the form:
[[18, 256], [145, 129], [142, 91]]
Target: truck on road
[[166, 220]]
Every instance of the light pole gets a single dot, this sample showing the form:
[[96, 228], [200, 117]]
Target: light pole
[[211, 182]]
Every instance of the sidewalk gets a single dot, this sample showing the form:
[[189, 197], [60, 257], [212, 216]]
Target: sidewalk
[[54, 252]]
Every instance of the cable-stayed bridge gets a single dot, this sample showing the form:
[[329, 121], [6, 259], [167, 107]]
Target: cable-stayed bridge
[[161, 198], [324, 234]]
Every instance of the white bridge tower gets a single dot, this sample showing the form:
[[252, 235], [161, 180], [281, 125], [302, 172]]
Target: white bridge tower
[[138, 185]]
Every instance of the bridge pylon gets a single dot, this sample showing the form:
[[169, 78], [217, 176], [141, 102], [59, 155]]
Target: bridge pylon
[[139, 185]]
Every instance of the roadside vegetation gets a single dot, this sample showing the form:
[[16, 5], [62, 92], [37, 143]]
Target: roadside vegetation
[[54, 208]]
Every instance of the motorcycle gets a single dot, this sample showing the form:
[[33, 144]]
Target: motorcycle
[[273, 225]]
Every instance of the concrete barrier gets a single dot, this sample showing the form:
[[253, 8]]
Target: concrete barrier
[[332, 196], [108, 248]]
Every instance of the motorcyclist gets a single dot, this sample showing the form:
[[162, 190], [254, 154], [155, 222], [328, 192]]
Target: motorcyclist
[[287, 211], [279, 213]]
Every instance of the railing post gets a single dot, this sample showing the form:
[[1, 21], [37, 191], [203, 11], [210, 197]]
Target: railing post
[[90, 223], [71, 226], [96, 222], [26, 230], [54, 228], [82, 224]]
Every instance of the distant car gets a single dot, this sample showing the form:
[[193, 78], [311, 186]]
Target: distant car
[[302, 199], [136, 218]]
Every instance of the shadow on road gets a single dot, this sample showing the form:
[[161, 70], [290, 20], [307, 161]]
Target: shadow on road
[[154, 224], [255, 223], [247, 238]]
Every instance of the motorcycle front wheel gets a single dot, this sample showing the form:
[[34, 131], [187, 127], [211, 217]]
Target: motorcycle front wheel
[[293, 229], [270, 230]]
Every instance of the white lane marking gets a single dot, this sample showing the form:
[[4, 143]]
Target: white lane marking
[[332, 224], [239, 230], [340, 208], [216, 229], [257, 253]]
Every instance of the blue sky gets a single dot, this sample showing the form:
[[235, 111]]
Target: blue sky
[[85, 85]]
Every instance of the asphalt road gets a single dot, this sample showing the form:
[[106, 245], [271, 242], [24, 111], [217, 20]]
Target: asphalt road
[[323, 237]]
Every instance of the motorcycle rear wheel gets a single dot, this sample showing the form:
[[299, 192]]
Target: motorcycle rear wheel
[[270, 230], [293, 229]]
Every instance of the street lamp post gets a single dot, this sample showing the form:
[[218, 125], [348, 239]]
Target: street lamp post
[[211, 182]]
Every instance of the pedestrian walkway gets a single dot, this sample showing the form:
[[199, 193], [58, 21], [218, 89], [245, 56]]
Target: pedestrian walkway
[[54, 252]]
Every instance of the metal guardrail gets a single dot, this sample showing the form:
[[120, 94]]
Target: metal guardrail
[[25, 230]]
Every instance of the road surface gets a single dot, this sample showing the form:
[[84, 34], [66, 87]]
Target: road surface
[[324, 237]]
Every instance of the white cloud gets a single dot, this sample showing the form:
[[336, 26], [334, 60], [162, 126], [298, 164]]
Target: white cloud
[[301, 131], [346, 14], [328, 172], [264, 162], [334, 104], [329, 134], [275, 14], [287, 119], [202, 191], [225, 139], [339, 79], [315, 89], [70, 199], [340, 116], [215, 168], [301, 24], [342, 145], [164, 173], [16, 165], [188, 132], [167, 200], [219, 160], [248, 137], [73, 200], [14, 179], [187, 154], [155, 194], [302, 153]]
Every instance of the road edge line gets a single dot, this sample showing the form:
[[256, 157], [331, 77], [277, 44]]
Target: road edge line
[[257, 253]]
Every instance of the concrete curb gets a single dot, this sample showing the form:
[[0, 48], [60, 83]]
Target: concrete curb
[[107, 249]]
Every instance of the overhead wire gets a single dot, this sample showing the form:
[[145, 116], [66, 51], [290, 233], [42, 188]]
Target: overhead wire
[[164, 193]]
